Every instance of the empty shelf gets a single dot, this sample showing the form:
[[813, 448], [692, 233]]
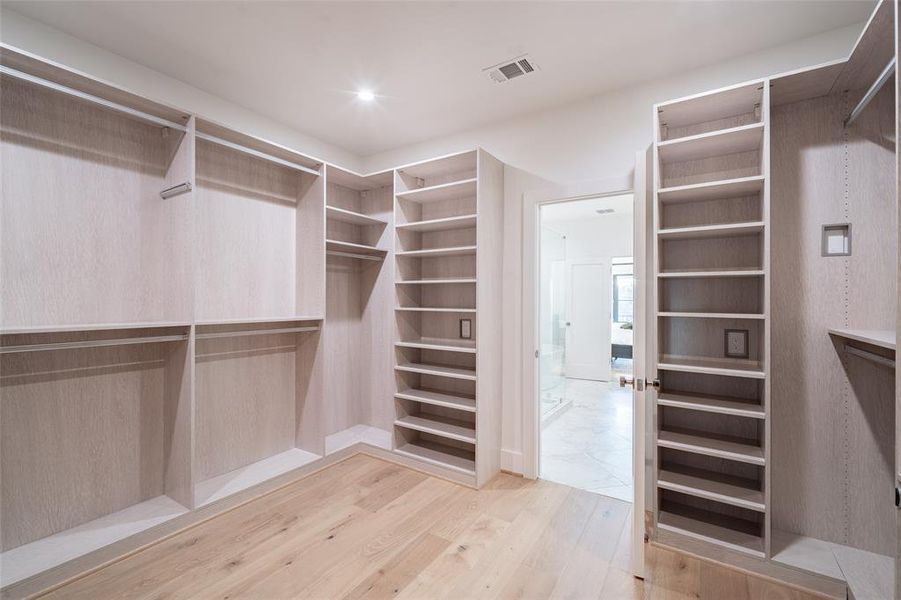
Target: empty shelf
[[440, 455], [448, 280], [710, 315], [714, 404], [883, 339], [703, 525], [711, 366], [451, 429], [349, 216], [714, 143], [438, 399], [90, 327], [40, 555], [440, 370], [456, 251], [339, 246], [447, 223], [700, 443], [713, 190], [466, 346], [698, 273], [434, 309], [711, 486], [224, 485], [445, 191], [711, 231]]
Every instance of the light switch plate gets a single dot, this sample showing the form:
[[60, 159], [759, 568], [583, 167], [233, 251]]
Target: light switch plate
[[466, 329], [736, 343], [837, 240]]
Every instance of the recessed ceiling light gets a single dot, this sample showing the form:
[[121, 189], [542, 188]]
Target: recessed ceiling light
[[365, 95]]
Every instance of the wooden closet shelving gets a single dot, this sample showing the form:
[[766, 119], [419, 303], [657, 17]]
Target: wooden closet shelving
[[447, 213], [711, 257]]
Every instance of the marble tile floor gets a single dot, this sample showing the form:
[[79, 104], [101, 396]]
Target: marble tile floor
[[589, 444]]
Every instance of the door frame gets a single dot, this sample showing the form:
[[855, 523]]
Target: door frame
[[637, 184]]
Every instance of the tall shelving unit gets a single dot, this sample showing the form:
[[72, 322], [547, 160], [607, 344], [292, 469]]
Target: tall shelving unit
[[448, 219], [712, 275]]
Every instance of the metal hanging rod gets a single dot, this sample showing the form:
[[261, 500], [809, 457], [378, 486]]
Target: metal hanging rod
[[90, 98], [871, 356], [886, 74], [353, 255], [92, 343], [279, 161], [224, 334], [175, 190]]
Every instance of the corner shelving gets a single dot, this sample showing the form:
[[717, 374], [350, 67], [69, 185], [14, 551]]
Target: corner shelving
[[711, 260], [354, 218]]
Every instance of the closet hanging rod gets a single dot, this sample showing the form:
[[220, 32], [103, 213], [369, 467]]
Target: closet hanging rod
[[279, 161], [224, 334], [886, 74], [94, 99], [871, 356], [92, 343], [353, 255]]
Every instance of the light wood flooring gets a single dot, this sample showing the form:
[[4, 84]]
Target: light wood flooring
[[365, 528]]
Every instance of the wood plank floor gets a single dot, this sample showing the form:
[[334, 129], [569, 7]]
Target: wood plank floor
[[365, 528]]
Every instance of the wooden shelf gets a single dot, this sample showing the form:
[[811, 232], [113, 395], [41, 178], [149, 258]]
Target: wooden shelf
[[45, 553], [439, 193], [711, 366], [349, 216], [882, 338], [434, 309], [261, 321], [235, 481], [711, 106], [90, 327], [703, 525], [708, 445], [699, 273], [439, 370], [440, 455], [711, 486], [710, 315], [438, 399], [434, 252], [339, 246], [445, 281], [707, 403], [445, 345], [715, 143], [711, 231], [451, 429], [713, 190], [445, 224]]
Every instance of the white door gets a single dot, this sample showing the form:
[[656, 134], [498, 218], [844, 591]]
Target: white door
[[588, 320]]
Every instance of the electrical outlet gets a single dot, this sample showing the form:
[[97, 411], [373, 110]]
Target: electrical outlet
[[736, 343], [466, 329]]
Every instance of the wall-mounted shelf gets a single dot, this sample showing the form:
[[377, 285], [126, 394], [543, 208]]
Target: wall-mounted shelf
[[696, 274], [436, 398], [349, 216], [711, 366], [349, 247], [434, 309], [711, 231], [444, 345], [712, 190], [711, 485], [439, 370], [882, 338], [710, 403], [441, 192], [709, 445], [442, 224], [437, 281], [715, 143], [440, 426], [710, 315], [438, 252]]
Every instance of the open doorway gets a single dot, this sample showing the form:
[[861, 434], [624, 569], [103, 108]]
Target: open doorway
[[585, 320]]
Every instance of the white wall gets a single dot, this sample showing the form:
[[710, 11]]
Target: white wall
[[598, 137], [52, 44]]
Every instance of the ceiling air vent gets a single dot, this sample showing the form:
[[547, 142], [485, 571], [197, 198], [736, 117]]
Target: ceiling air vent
[[605, 211], [510, 69]]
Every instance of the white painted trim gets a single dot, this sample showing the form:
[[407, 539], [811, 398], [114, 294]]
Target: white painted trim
[[532, 201], [511, 461]]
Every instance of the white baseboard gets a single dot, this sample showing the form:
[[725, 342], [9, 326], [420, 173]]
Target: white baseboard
[[511, 461]]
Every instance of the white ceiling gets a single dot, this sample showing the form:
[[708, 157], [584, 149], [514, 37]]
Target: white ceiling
[[300, 62], [585, 210]]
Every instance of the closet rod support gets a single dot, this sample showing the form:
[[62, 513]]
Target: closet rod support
[[228, 334], [256, 153], [92, 343], [93, 99], [886, 74], [353, 255], [871, 356], [175, 190]]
